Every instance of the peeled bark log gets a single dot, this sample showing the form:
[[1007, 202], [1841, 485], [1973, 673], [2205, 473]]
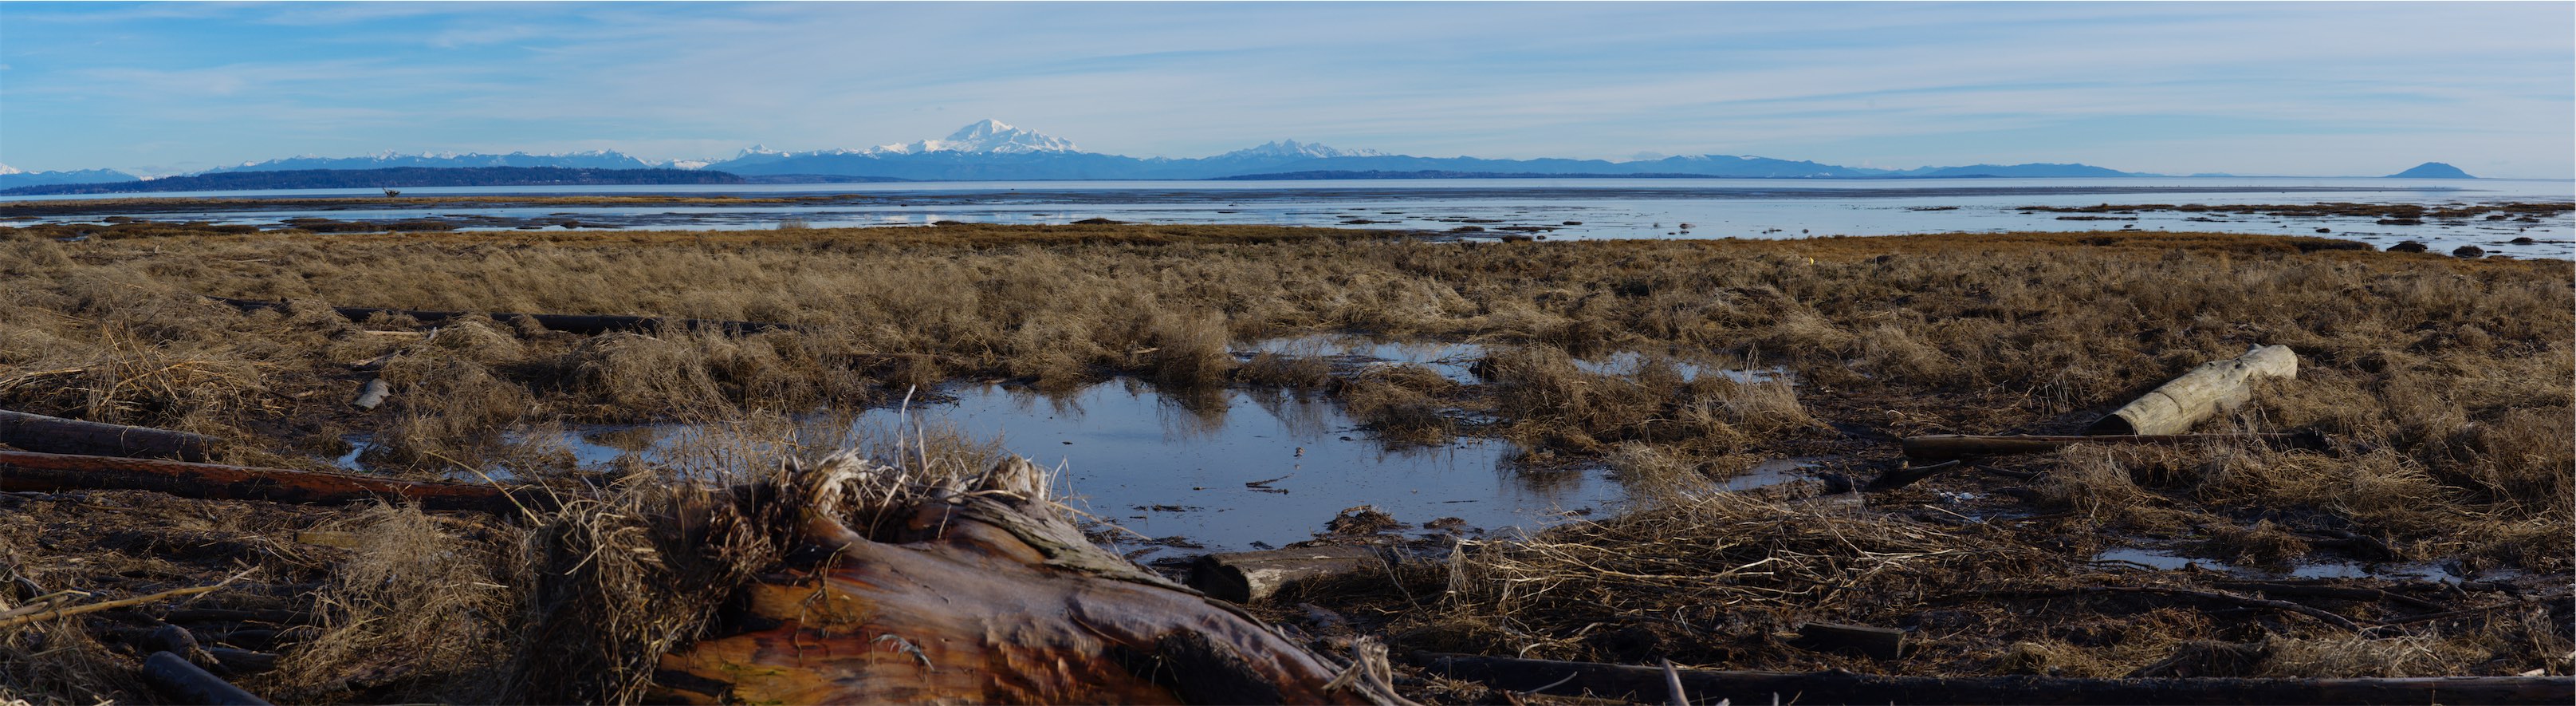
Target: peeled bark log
[[586, 324], [37, 432], [1645, 684], [23, 470], [2209, 389], [1244, 577], [988, 596], [1951, 447]]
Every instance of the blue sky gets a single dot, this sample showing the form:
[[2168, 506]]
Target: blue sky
[[2248, 88]]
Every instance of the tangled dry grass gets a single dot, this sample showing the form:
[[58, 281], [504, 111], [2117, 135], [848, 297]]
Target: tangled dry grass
[[2444, 385]]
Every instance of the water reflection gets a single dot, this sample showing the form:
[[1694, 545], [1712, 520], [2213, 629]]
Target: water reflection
[[1226, 469]]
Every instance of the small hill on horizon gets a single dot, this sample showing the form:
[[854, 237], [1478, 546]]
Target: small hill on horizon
[[2432, 170]]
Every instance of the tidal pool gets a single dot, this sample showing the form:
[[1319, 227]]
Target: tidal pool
[[1233, 470]]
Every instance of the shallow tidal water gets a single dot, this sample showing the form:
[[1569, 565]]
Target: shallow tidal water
[[1559, 209]]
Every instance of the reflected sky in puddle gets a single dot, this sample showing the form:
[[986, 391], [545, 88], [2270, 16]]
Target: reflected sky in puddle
[[1131, 456], [1770, 473], [2168, 560], [1455, 360]]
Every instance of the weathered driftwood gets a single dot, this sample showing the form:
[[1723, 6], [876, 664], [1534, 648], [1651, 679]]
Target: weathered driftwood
[[1645, 684], [372, 394], [1882, 643], [984, 596], [25, 470], [586, 324], [1951, 447], [1244, 577], [2209, 389], [184, 683], [37, 432]]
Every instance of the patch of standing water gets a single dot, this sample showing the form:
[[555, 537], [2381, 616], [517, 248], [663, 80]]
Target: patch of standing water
[[1770, 473], [1451, 360], [1456, 361], [1628, 362], [2168, 560], [1261, 467]]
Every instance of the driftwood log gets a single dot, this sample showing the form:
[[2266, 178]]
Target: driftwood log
[[184, 683], [27, 470], [1244, 577], [372, 394], [2209, 389], [982, 595], [37, 432], [1951, 447], [1648, 684], [586, 324]]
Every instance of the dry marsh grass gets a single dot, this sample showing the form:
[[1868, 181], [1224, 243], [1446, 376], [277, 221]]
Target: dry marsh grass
[[2446, 388]]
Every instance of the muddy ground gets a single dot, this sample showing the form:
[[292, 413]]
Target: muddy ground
[[2429, 536]]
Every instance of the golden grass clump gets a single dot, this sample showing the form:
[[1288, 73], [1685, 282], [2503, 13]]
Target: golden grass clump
[[412, 580]]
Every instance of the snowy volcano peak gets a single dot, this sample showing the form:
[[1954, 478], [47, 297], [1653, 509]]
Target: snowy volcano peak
[[987, 136], [6, 169], [1293, 148]]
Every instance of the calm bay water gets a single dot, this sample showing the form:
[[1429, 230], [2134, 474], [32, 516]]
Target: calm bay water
[[1569, 209]]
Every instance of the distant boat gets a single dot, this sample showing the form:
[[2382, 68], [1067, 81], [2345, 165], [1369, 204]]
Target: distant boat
[[389, 193]]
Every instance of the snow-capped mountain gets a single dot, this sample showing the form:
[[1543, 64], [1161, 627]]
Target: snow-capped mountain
[[593, 159], [989, 137], [13, 177], [1292, 149]]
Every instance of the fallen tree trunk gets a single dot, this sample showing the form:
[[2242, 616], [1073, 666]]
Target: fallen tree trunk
[[1647, 684], [586, 324], [37, 432], [985, 596], [1952, 447], [1244, 577], [2209, 389], [25, 470]]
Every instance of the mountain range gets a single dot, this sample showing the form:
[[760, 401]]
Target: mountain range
[[991, 150]]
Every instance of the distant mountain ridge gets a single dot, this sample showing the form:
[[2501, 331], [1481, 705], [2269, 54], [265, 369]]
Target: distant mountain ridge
[[392, 177], [595, 159], [12, 177], [991, 150]]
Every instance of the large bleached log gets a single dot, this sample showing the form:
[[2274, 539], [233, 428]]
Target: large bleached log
[[984, 596], [2209, 389], [26, 470], [37, 432], [1644, 684], [1949, 447], [586, 324], [1244, 577]]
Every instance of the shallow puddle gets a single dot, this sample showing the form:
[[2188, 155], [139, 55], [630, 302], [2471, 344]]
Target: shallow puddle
[[2168, 560], [1451, 360], [1456, 360], [1259, 469], [1770, 473]]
